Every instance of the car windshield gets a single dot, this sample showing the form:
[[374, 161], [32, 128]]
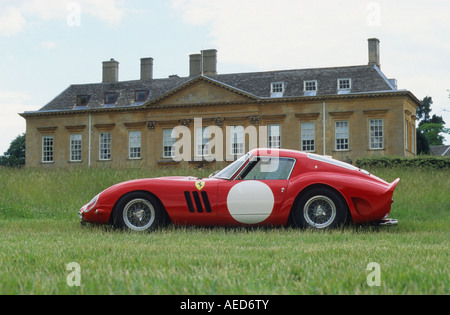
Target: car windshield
[[230, 170]]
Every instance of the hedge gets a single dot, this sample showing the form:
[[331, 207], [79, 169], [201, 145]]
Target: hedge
[[422, 161]]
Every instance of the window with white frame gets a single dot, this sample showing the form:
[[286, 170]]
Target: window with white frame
[[342, 135], [237, 140], [47, 149], [202, 140], [310, 86], [413, 135], [168, 144], [344, 84], [308, 137], [105, 146], [277, 89], [75, 148], [376, 134], [135, 144], [274, 133]]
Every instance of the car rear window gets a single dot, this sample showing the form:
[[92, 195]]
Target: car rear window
[[324, 159]]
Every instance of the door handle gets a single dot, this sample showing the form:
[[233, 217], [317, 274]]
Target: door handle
[[283, 189]]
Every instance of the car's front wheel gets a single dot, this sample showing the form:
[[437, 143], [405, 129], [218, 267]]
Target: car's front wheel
[[138, 212], [320, 208]]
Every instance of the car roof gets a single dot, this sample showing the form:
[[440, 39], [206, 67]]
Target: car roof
[[278, 153]]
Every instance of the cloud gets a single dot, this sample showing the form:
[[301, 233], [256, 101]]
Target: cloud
[[11, 22], [15, 15], [276, 34], [300, 33], [48, 45]]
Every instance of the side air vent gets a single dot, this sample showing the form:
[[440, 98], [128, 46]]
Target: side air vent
[[200, 206], [187, 195], [198, 203], [206, 202]]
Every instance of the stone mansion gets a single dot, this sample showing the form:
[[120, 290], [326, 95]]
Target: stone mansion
[[344, 112]]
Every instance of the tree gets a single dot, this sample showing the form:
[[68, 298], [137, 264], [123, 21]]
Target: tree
[[15, 156], [430, 128], [423, 112], [433, 132], [423, 146]]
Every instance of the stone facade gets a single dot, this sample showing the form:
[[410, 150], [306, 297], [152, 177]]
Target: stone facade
[[346, 112]]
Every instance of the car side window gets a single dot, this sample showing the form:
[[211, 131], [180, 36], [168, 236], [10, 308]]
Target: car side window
[[268, 168]]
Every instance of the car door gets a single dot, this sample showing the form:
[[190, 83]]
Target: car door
[[191, 201], [256, 194]]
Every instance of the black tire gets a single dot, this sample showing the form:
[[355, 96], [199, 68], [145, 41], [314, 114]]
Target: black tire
[[320, 209], [137, 211]]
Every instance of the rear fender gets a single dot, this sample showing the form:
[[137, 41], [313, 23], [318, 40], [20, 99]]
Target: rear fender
[[304, 190], [393, 185]]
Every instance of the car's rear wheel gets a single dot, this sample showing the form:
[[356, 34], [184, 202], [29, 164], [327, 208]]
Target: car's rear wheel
[[138, 212], [320, 208]]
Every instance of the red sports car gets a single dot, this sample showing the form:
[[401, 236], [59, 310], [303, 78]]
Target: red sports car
[[264, 187]]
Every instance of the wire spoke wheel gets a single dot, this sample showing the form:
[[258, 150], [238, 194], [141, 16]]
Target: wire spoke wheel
[[139, 215], [319, 212]]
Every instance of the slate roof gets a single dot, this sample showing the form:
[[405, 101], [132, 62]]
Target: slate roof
[[365, 79], [125, 90]]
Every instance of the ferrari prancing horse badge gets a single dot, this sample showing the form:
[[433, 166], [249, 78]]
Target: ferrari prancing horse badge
[[200, 185]]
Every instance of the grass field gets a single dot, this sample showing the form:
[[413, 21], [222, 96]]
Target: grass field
[[40, 235]]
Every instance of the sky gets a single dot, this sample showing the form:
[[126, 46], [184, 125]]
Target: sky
[[47, 45]]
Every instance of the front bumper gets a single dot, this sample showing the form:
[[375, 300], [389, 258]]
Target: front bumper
[[96, 216], [388, 222]]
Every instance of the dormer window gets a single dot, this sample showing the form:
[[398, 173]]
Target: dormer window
[[310, 88], [140, 96], [277, 89], [344, 86], [82, 100], [110, 97]]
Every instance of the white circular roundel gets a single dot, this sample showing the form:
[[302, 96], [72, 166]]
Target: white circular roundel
[[250, 202]]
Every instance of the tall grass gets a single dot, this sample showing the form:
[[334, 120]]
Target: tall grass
[[40, 234], [57, 193], [422, 198]]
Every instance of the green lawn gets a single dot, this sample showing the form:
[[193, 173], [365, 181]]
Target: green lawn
[[40, 234]]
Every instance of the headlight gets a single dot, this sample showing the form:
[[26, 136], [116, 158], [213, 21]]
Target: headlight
[[91, 204]]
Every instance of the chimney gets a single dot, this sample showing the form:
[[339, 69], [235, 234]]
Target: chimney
[[374, 52], [209, 62], [146, 68], [195, 62], [110, 71], [204, 63]]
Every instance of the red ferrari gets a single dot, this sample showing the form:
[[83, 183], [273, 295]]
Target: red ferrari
[[264, 187]]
